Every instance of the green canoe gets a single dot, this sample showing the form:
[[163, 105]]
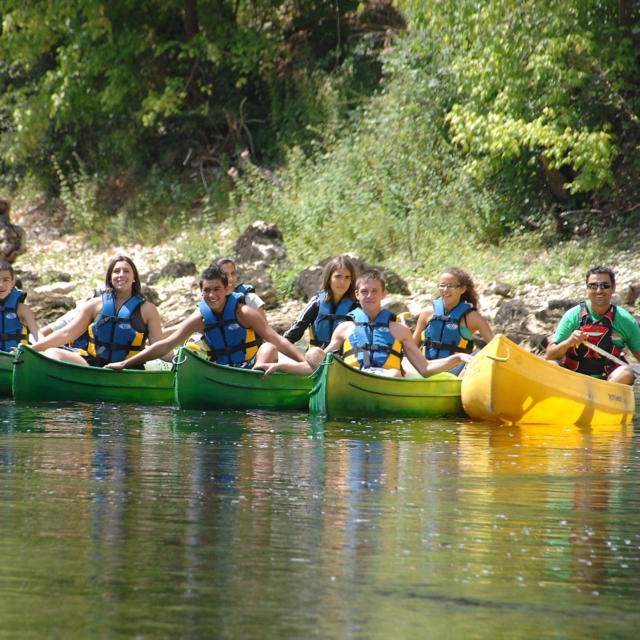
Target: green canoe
[[38, 378], [340, 391], [6, 373], [201, 384]]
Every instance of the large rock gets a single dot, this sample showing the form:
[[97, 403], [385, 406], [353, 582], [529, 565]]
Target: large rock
[[180, 301], [261, 242], [257, 275], [260, 245], [172, 270], [49, 306], [12, 237]]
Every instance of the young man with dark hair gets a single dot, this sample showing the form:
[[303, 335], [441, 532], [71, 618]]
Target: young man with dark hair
[[598, 322]]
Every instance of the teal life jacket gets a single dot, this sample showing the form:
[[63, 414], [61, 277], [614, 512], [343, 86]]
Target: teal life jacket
[[442, 336]]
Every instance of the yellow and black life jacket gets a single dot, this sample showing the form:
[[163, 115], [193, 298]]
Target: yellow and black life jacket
[[227, 341], [12, 331], [371, 343], [112, 336]]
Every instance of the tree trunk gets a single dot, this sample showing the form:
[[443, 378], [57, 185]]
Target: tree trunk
[[191, 25]]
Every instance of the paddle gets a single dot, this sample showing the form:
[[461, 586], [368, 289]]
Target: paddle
[[610, 356]]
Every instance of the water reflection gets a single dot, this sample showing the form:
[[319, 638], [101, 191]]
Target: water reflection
[[162, 522]]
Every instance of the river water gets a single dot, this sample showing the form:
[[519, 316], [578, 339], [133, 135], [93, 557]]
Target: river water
[[131, 522]]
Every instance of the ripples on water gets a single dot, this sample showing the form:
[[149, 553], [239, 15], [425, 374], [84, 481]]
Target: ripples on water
[[154, 522]]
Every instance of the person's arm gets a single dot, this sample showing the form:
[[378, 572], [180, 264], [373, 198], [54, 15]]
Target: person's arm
[[59, 322], [306, 318], [156, 350], [297, 368], [252, 319], [557, 350], [67, 334], [567, 335], [316, 355], [477, 324], [423, 321], [28, 319], [423, 366]]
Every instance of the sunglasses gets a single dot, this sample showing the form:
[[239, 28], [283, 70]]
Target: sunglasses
[[598, 285], [442, 287]]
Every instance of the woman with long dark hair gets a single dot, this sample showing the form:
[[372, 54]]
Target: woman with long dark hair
[[330, 306], [119, 322]]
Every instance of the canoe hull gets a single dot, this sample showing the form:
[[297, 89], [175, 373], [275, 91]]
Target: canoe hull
[[201, 384], [508, 384], [6, 373], [38, 378], [341, 391]]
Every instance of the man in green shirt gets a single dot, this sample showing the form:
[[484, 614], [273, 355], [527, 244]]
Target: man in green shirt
[[601, 323]]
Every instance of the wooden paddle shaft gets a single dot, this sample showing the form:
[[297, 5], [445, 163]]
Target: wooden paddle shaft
[[610, 356]]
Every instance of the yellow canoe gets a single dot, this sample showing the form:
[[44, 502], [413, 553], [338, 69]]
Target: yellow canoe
[[508, 384]]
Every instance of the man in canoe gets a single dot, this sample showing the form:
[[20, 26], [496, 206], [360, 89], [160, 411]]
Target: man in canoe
[[372, 340], [598, 322], [229, 327]]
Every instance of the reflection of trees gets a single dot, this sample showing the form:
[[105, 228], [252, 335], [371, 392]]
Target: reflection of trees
[[240, 520]]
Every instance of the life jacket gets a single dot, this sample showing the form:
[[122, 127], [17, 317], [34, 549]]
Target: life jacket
[[328, 318], [371, 343], [585, 360], [12, 331], [244, 289], [442, 337], [82, 342], [227, 341], [112, 337]]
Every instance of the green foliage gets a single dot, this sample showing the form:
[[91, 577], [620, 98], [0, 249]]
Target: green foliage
[[535, 81], [78, 193]]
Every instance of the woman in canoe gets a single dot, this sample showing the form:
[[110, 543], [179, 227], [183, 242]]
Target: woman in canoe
[[330, 306], [448, 326], [119, 322]]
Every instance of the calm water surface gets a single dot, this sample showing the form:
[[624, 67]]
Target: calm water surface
[[154, 522]]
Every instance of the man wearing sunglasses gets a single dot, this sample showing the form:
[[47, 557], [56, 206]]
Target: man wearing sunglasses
[[601, 323]]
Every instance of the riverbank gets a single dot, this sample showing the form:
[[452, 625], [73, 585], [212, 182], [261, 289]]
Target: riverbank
[[66, 264]]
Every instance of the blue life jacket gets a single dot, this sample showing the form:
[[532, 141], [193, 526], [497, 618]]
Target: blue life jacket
[[227, 341], [442, 336], [244, 288], [112, 337], [328, 318], [12, 331], [371, 343]]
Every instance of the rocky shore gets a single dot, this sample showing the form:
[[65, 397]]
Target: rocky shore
[[58, 270]]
